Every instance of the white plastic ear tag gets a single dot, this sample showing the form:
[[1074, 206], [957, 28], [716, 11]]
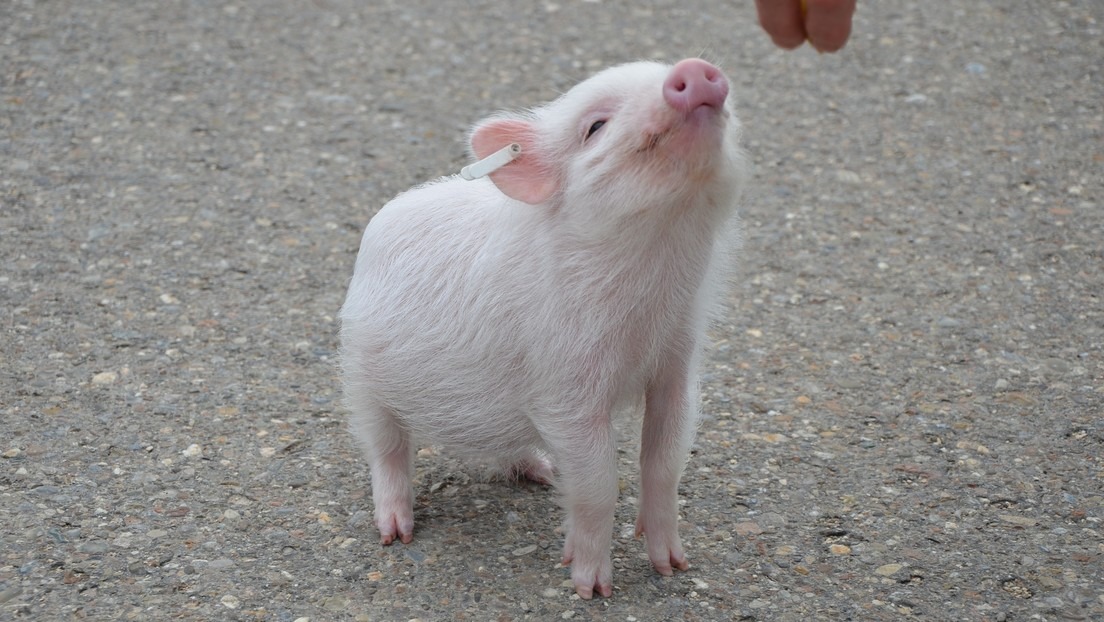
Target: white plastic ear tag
[[491, 163]]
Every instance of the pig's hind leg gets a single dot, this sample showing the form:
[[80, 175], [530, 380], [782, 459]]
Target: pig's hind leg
[[391, 460]]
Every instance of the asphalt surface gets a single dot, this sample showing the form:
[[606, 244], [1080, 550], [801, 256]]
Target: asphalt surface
[[904, 403]]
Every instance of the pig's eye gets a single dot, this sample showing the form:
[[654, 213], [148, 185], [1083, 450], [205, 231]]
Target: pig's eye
[[597, 125]]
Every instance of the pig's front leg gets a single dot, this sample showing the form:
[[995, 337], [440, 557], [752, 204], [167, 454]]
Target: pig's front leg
[[668, 431], [587, 462]]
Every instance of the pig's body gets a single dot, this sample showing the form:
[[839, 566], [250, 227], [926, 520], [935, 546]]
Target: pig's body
[[510, 330]]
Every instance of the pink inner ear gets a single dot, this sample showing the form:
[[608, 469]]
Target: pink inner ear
[[528, 178]]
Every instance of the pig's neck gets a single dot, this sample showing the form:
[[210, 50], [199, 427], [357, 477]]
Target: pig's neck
[[642, 285]]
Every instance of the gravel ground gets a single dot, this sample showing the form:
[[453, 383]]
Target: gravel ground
[[904, 403]]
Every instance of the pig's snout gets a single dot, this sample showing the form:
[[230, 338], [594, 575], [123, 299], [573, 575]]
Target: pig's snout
[[693, 83]]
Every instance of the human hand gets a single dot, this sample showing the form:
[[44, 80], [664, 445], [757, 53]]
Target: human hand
[[826, 24]]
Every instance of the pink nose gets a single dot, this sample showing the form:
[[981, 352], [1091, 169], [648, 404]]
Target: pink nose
[[693, 83]]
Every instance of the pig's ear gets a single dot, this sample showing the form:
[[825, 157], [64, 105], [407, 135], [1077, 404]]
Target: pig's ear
[[529, 178]]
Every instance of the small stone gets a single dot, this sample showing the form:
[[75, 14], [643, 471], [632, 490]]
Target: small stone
[[567, 615], [525, 550], [104, 378], [1022, 521], [10, 593], [1001, 384], [839, 549], [848, 177], [92, 548], [230, 601], [1053, 602], [12, 453], [192, 451], [747, 528], [268, 452], [550, 592], [888, 570]]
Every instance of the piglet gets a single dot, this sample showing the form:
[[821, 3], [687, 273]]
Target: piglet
[[507, 318]]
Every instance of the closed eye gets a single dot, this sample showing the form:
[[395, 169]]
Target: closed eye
[[597, 125]]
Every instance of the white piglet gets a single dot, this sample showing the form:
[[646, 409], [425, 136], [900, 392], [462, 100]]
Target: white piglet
[[507, 318]]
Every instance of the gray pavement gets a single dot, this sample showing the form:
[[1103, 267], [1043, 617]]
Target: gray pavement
[[904, 402]]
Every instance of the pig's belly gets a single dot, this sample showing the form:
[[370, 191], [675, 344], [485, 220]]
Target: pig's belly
[[471, 402]]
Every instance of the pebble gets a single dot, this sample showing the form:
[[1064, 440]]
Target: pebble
[[1022, 521], [747, 528], [104, 378], [336, 603], [525, 550], [230, 601], [848, 177], [10, 593], [94, 548], [839, 549], [192, 451], [888, 569]]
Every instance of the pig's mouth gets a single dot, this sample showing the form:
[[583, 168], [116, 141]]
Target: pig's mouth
[[651, 141], [703, 124]]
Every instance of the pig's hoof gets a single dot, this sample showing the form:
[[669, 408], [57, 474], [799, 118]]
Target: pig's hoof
[[589, 576], [396, 525], [588, 583], [664, 549]]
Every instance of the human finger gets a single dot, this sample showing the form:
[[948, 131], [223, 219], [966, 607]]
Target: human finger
[[783, 21], [828, 23]]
